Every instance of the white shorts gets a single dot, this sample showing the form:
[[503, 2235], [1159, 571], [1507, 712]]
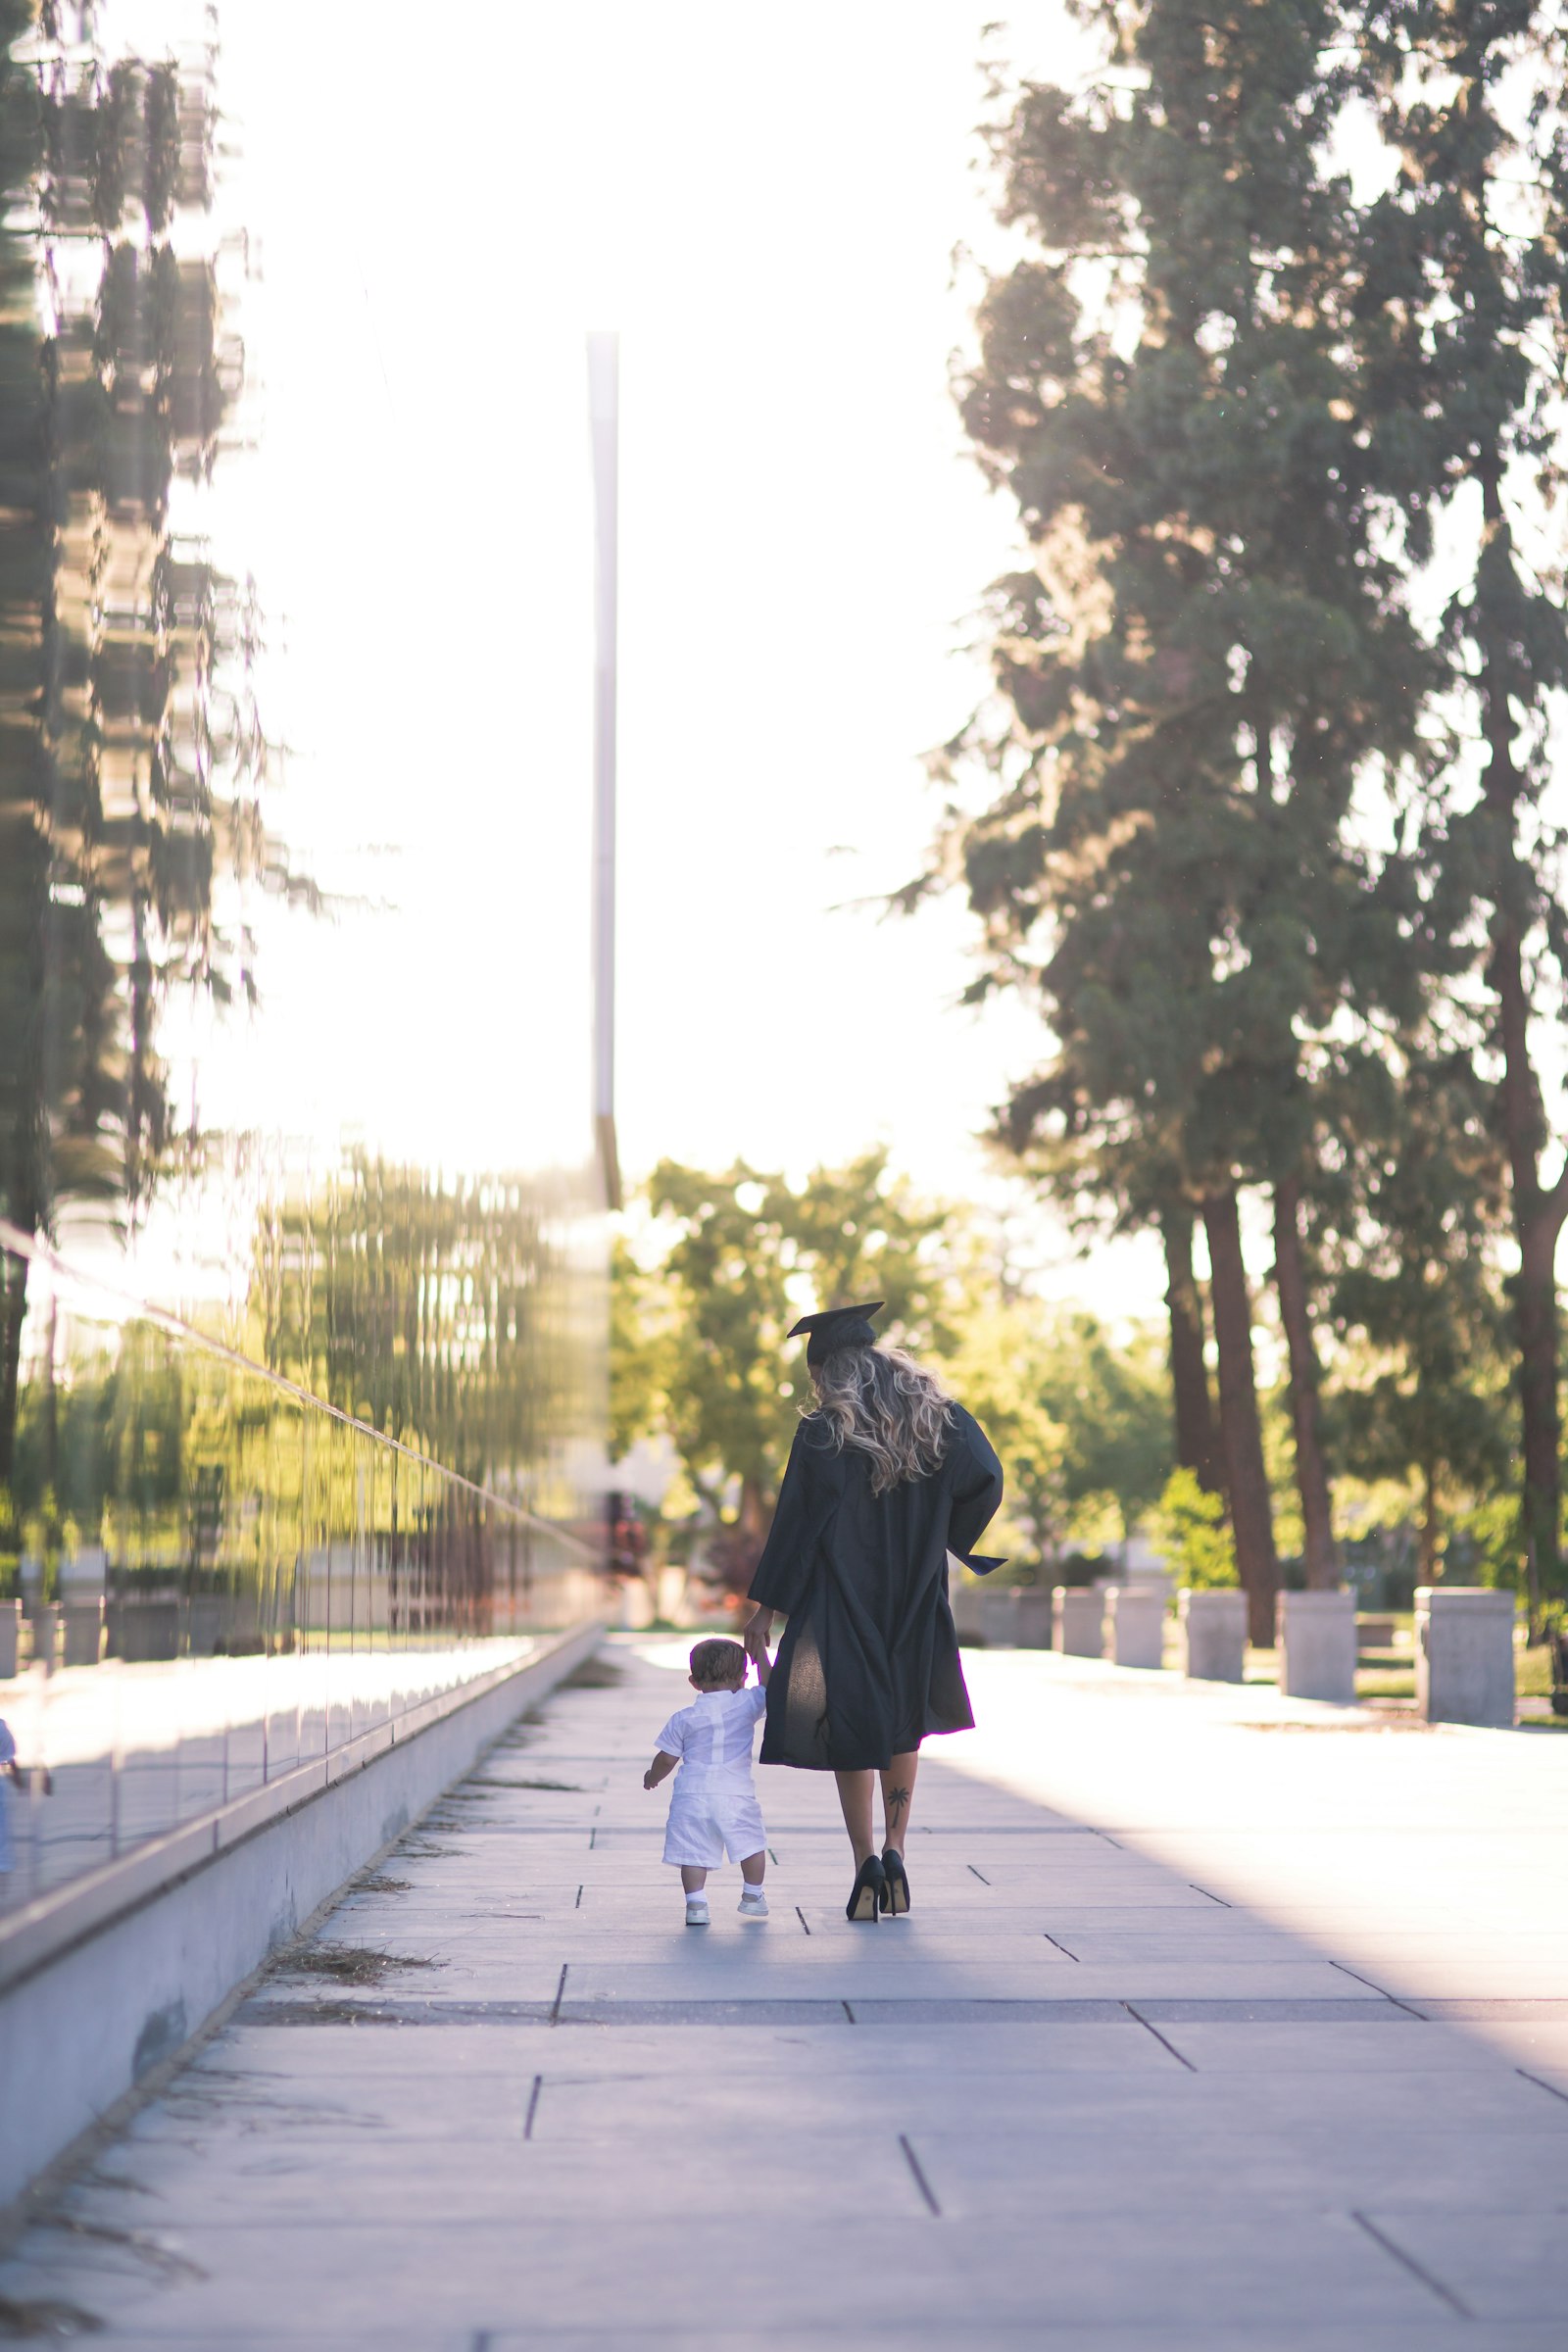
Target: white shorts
[[712, 1820]]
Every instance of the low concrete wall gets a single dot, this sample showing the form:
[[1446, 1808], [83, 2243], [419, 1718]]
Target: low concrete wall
[[107, 1978], [999, 1617]]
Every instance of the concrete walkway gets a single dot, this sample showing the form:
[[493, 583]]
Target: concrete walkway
[[1220, 2026]]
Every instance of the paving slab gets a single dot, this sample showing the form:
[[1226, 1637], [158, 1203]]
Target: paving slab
[[1222, 2024], [1258, 2335]]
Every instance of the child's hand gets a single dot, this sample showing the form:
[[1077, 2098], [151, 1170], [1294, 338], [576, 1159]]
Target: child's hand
[[650, 1779]]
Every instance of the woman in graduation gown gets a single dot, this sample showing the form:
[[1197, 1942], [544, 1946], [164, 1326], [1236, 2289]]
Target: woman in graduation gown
[[885, 1478]]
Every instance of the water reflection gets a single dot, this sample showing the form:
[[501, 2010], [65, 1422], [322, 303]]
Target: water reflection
[[131, 753], [221, 1571], [292, 1438]]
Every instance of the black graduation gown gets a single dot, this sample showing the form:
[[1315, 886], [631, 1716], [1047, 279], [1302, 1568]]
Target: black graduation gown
[[869, 1663]]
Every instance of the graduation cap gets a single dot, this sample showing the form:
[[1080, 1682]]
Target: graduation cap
[[837, 1327]]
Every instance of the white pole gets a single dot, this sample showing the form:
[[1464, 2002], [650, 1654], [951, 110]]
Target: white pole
[[603, 415]]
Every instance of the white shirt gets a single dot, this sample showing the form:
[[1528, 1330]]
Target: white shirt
[[715, 1735]]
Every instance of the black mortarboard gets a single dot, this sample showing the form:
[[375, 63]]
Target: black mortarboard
[[837, 1327]]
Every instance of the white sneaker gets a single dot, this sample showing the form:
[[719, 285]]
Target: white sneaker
[[697, 1910], [752, 1903]]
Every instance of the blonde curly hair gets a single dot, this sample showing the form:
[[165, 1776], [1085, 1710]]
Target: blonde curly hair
[[884, 1405]]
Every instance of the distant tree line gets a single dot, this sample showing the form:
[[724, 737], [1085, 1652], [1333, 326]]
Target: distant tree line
[[1259, 813], [708, 1282]]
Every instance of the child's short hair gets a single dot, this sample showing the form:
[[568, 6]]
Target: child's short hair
[[717, 1661]]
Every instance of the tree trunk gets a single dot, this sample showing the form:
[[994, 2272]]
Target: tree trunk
[[1320, 1558], [1196, 1447], [1241, 1435], [1535, 1326], [1538, 1212], [51, 1408], [12, 1314], [1431, 1522]]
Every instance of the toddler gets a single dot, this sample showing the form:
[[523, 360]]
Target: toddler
[[714, 1812]]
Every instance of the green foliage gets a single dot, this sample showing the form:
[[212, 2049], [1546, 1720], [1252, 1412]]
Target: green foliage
[[1114, 1401], [1211, 640], [641, 1342], [730, 1261], [1484, 1545], [433, 1308], [1154, 820], [1002, 1370], [1463, 315], [454, 1316], [703, 1299], [1082, 1425], [1190, 1528], [1421, 1393], [1279, 1459], [1269, 853]]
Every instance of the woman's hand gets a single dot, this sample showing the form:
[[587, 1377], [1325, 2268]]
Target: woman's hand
[[757, 1634]]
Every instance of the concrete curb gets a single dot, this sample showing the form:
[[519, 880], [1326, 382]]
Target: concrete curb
[[108, 1979]]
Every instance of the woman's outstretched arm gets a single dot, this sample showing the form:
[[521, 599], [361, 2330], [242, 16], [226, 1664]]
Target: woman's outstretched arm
[[976, 1488]]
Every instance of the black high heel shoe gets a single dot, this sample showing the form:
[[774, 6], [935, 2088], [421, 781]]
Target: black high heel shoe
[[895, 1884], [868, 1894]]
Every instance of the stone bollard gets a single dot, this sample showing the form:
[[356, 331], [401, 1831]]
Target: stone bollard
[[10, 1638], [636, 1611], [140, 1630], [1035, 1612], [1464, 1654], [1077, 1621], [999, 1617], [671, 1590], [1213, 1624], [965, 1599], [83, 1633], [46, 1639], [1135, 1626], [1316, 1637]]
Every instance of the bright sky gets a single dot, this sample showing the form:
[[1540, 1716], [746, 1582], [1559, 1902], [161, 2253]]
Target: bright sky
[[766, 210]]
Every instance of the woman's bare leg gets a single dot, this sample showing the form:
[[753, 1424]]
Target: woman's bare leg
[[854, 1796], [898, 1795]]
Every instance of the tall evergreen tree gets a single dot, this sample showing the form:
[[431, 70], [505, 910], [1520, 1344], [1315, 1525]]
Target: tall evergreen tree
[[1210, 648], [1192, 1408], [1411, 1247], [1117, 1185], [1462, 313]]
